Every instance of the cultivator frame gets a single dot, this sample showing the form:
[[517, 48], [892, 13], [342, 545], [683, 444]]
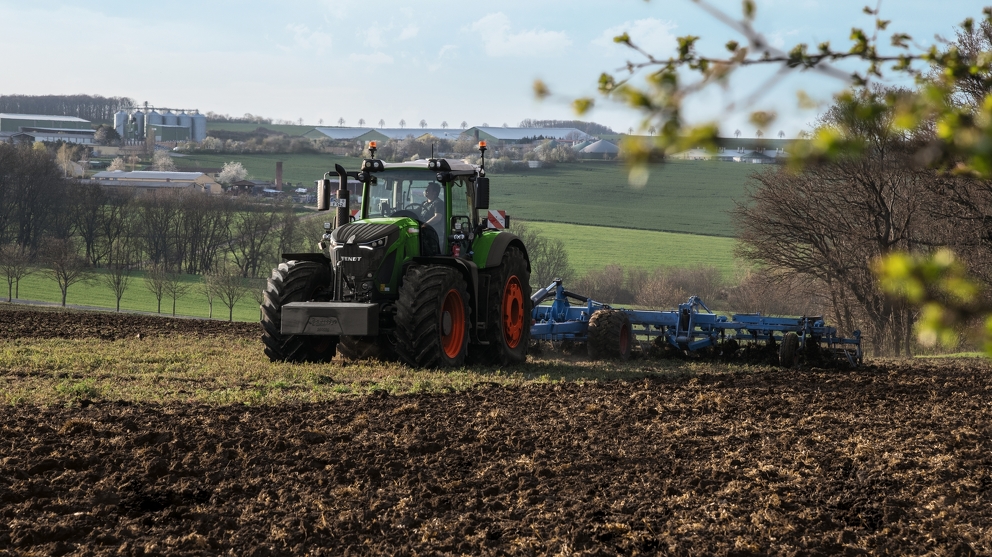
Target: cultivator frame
[[693, 328]]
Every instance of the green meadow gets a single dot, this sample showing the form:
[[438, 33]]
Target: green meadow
[[93, 292], [290, 129], [296, 168], [593, 247]]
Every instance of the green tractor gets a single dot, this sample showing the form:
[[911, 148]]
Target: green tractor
[[421, 272]]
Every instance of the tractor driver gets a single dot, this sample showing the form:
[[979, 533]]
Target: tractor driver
[[434, 207]]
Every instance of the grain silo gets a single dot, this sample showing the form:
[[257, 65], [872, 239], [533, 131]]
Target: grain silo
[[170, 118], [120, 122], [186, 122], [199, 131], [139, 123], [153, 118]]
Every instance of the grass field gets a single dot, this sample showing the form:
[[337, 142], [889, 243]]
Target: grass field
[[680, 196], [296, 168], [137, 297], [594, 247], [690, 197]]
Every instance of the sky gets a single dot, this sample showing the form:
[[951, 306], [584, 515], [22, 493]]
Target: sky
[[434, 60]]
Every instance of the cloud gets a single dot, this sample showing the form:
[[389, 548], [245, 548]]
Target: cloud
[[408, 32], [306, 39], [373, 59], [446, 49], [500, 41], [653, 35]]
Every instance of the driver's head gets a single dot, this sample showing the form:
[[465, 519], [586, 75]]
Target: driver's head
[[433, 189]]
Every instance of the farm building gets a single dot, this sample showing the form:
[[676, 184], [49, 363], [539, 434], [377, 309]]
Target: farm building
[[380, 134], [251, 187], [145, 180], [36, 127], [601, 149], [528, 135]]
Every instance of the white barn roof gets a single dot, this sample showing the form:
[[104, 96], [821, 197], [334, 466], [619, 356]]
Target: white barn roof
[[516, 134], [41, 117]]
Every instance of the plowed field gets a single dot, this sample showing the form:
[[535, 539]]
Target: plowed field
[[893, 458]]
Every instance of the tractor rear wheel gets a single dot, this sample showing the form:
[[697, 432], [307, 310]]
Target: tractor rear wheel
[[432, 317], [295, 281], [788, 351], [610, 335], [366, 348], [508, 322]]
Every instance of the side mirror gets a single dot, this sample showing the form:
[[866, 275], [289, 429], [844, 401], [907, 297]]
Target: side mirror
[[482, 193], [323, 195]]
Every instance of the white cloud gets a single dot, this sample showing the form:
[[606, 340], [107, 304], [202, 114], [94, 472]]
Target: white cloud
[[652, 35], [446, 49], [499, 40], [408, 32], [375, 59], [306, 39]]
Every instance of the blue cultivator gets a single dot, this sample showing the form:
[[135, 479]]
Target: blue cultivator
[[692, 328]]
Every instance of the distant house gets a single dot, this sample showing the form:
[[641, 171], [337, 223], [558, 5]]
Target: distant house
[[146, 180]]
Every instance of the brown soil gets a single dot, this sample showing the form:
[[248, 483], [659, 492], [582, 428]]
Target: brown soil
[[893, 458]]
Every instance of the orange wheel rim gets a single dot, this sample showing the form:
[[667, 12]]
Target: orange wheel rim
[[513, 312], [452, 324]]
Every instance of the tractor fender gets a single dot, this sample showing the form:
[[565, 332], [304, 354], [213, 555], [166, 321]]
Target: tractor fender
[[468, 269], [498, 247]]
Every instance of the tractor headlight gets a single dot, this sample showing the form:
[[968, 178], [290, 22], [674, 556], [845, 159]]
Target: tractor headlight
[[374, 244]]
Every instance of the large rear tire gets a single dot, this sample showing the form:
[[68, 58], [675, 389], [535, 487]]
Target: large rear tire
[[508, 322], [295, 281], [432, 317], [610, 335]]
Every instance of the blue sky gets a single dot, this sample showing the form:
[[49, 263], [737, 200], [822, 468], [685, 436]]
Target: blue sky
[[436, 61]]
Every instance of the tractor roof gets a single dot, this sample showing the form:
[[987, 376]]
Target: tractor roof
[[456, 165]]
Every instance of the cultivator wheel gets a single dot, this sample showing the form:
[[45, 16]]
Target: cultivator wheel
[[508, 326], [610, 335], [788, 350], [367, 348], [432, 317], [295, 281]]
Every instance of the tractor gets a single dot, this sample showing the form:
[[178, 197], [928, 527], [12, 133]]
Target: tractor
[[421, 272]]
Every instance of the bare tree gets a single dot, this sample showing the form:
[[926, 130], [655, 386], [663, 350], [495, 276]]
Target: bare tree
[[341, 121], [176, 286], [444, 125], [548, 257], [758, 133], [402, 123], [423, 124], [361, 121], [155, 283], [464, 124], [15, 265], [230, 287], [65, 264], [382, 123], [781, 134], [209, 289], [252, 234], [120, 266], [320, 122], [737, 133]]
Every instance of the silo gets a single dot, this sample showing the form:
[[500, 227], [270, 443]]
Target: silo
[[186, 122], [120, 122], [139, 123], [153, 118], [199, 127], [170, 118]]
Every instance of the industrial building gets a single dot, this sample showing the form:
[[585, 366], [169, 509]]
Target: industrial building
[[169, 126], [36, 127]]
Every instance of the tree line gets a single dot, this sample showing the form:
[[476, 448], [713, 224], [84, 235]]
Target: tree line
[[87, 107], [182, 232]]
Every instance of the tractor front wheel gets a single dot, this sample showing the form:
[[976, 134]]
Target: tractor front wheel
[[432, 317], [508, 322], [610, 335], [295, 281]]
